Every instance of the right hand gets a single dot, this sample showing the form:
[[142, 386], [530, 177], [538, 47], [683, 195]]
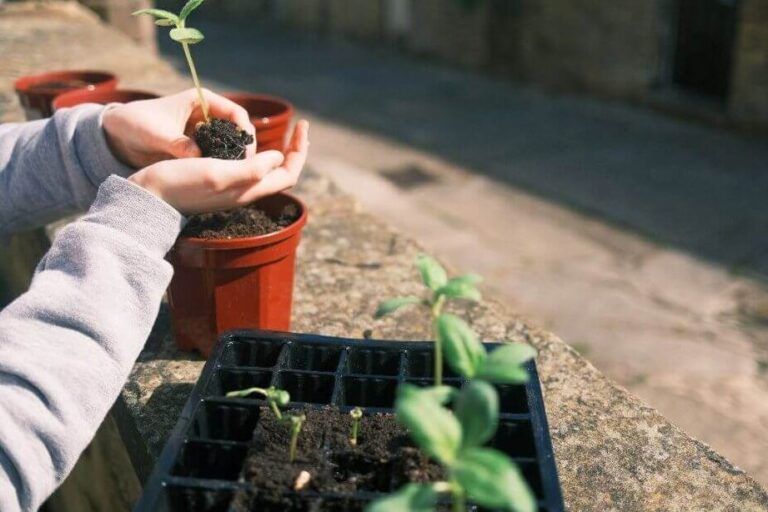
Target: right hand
[[198, 185]]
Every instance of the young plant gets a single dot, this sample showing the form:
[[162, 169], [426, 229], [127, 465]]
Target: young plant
[[276, 398], [456, 440], [455, 341], [441, 289], [184, 35], [356, 414], [295, 421]]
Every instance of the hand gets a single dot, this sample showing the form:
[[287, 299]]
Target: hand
[[145, 132], [197, 185]]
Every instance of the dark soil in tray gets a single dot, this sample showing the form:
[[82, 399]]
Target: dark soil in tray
[[222, 139], [240, 222], [383, 460]]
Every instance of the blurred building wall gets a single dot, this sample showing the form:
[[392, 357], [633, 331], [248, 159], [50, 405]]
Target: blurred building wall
[[618, 48], [118, 14]]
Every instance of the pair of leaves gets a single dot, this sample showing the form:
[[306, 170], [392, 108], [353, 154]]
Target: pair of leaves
[[487, 476], [467, 356], [436, 430], [181, 33], [436, 279]]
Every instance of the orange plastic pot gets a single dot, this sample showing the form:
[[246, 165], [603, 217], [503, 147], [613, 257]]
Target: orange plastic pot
[[270, 115], [37, 92], [101, 97], [220, 285]]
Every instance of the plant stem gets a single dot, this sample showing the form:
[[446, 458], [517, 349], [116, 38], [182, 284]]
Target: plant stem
[[459, 499], [296, 423], [276, 409], [437, 308], [203, 104]]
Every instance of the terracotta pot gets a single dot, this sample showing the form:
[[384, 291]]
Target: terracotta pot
[[220, 285], [102, 97], [36, 92], [270, 115]]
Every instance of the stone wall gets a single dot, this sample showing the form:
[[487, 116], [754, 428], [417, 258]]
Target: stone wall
[[118, 14], [749, 86], [587, 45]]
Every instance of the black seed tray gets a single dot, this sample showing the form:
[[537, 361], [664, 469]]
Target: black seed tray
[[199, 468]]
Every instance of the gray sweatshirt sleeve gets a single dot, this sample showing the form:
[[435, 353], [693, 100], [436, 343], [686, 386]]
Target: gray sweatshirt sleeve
[[68, 344], [53, 167]]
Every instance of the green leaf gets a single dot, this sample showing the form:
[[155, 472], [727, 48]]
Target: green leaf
[[160, 14], [490, 479], [505, 364], [440, 394], [463, 352], [392, 305], [409, 498], [477, 408], [432, 273], [189, 7], [187, 35], [433, 427], [165, 23], [462, 287]]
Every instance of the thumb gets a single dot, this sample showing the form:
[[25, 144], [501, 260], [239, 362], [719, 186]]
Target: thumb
[[184, 147]]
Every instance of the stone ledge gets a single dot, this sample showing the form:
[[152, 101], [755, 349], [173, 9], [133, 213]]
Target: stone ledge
[[613, 452]]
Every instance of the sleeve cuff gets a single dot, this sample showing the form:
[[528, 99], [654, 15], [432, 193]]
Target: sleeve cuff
[[98, 161], [132, 210]]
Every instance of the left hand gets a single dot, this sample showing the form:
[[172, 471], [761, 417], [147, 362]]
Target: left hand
[[145, 132]]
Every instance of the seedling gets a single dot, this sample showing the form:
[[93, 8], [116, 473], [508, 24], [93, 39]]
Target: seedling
[[455, 440], [454, 338], [296, 421], [276, 398], [356, 414], [184, 35]]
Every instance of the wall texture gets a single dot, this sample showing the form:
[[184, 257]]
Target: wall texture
[[749, 86]]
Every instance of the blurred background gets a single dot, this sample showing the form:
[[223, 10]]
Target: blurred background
[[603, 163]]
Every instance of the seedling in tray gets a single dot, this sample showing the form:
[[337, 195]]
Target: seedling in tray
[[277, 398], [357, 415], [217, 138], [464, 353], [455, 439]]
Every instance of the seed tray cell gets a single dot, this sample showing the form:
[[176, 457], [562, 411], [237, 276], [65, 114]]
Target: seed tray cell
[[200, 468]]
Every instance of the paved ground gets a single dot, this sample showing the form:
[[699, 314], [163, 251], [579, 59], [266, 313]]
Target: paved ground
[[639, 239]]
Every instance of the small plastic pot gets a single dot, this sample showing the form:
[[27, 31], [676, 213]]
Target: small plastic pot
[[220, 285], [101, 97], [37, 92], [270, 115]]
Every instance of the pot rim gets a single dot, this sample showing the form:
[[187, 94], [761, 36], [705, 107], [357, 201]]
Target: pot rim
[[24, 83], [277, 119], [97, 94], [224, 244]]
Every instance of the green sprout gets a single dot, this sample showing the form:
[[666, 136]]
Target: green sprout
[[276, 398], [356, 414], [295, 421], [454, 339], [455, 440], [183, 34]]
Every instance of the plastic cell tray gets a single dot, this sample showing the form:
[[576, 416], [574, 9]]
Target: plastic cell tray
[[200, 466]]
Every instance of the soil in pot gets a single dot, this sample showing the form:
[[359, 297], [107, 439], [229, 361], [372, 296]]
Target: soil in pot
[[240, 222], [383, 460]]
